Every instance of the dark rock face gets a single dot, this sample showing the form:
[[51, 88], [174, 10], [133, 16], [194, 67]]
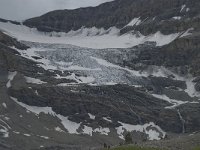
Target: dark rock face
[[182, 54], [11, 42], [14, 22], [190, 121], [113, 101], [11, 60], [156, 15]]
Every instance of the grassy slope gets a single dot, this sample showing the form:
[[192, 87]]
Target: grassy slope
[[128, 147], [197, 148], [133, 148]]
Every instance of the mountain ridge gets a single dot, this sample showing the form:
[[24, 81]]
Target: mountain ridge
[[155, 15]]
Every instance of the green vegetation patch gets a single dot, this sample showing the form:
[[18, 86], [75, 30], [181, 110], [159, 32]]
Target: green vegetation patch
[[133, 148], [197, 148]]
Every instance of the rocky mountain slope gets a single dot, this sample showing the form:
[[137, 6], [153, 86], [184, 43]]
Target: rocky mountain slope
[[167, 16], [84, 88]]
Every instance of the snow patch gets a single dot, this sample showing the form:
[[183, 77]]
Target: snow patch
[[36, 92], [7, 118], [34, 80], [91, 38], [177, 17], [87, 130], [153, 135], [153, 131], [104, 131], [77, 79], [157, 72], [162, 39], [107, 119], [58, 129], [34, 109], [175, 103], [4, 128], [28, 135], [5, 132], [190, 90], [70, 77], [69, 125], [135, 21], [4, 105], [16, 132], [44, 137], [182, 8], [187, 9], [11, 76], [109, 83], [91, 116], [188, 32], [30, 53], [87, 79], [84, 32]]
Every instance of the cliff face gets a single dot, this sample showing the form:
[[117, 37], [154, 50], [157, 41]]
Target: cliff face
[[167, 16], [8, 41], [182, 53]]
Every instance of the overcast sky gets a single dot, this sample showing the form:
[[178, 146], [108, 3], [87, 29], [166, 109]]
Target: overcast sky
[[24, 9]]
